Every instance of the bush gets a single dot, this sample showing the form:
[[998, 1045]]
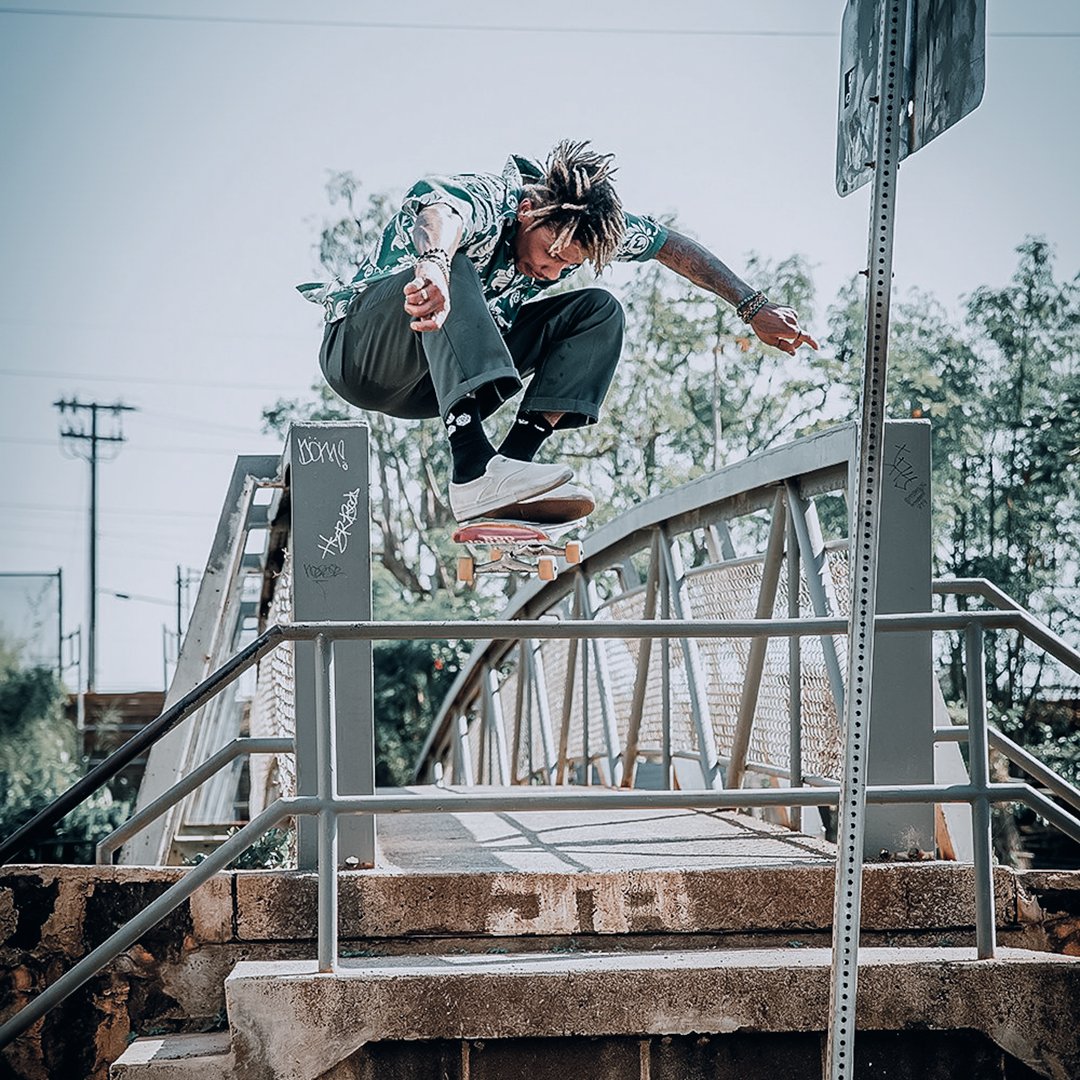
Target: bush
[[39, 760]]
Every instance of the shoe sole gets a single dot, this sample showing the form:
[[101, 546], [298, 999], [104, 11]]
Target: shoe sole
[[541, 511], [487, 509]]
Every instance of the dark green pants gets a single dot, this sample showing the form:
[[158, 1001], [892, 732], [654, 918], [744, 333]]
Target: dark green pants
[[569, 343]]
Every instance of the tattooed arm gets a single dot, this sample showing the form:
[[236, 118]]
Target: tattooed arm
[[774, 324]]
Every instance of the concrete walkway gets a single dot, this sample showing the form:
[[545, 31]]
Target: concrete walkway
[[589, 841]]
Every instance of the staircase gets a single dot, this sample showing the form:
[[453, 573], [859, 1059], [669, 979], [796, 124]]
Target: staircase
[[505, 945]]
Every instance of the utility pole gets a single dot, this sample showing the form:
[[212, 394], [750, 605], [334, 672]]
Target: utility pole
[[84, 444]]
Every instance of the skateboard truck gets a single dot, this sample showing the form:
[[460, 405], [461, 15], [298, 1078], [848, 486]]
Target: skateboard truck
[[513, 547]]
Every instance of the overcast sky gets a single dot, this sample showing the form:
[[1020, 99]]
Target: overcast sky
[[162, 190]]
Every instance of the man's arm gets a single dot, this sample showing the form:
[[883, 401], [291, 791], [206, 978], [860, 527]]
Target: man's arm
[[775, 325], [427, 296]]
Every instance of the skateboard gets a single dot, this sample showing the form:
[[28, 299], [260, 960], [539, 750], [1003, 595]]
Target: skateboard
[[514, 547]]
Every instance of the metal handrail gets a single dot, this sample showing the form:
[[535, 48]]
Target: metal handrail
[[1018, 756], [214, 763], [142, 740], [507, 630], [449, 801], [328, 805]]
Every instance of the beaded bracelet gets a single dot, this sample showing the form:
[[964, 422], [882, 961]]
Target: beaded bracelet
[[751, 306], [437, 256]]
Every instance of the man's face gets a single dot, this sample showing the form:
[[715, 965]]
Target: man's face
[[532, 249]]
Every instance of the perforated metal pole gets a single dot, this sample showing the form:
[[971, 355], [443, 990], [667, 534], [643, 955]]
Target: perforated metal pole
[[326, 750], [864, 545], [979, 767]]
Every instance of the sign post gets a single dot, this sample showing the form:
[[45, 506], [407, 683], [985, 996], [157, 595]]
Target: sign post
[[909, 70]]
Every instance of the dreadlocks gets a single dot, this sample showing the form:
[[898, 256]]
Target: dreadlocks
[[577, 199]]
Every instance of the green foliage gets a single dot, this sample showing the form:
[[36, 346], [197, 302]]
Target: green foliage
[[274, 850], [695, 391], [411, 679], [1002, 391], [39, 760]]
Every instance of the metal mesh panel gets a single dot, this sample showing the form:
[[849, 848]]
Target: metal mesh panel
[[273, 707], [650, 735], [720, 591]]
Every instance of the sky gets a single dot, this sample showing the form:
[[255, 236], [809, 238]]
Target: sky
[[162, 189]]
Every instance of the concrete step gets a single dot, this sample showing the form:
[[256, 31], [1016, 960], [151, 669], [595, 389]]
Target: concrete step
[[1025, 1002], [176, 1057]]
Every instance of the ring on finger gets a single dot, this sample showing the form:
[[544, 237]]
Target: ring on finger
[[423, 294]]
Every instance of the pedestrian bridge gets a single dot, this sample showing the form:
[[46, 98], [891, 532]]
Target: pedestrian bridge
[[639, 763]]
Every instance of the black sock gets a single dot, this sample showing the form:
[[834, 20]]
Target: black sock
[[469, 446], [526, 436]]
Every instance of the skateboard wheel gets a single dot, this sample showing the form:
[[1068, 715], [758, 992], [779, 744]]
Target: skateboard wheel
[[573, 552], [545, 568], [465, 569]]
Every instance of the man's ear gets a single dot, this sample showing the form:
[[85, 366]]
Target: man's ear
[[523, 207]]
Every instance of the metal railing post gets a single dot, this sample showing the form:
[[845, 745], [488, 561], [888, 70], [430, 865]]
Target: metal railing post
[[568, 697], [543, 710], [326, 751], [819, 582], [590, 601], [493, 707], [979, 767], [695, 677], [641, 676], [795, 767], [463, 770], [755, 664], [665, 664]]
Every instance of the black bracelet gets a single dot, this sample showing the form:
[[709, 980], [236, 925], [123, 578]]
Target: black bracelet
[[437, 256], [749, 307]]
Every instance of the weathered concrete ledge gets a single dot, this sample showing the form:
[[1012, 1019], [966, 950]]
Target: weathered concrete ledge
[[1026, 1002], [897, 897], [172, 980]]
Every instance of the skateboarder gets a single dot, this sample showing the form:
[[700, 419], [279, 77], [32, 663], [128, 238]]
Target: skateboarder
[[435, 322]]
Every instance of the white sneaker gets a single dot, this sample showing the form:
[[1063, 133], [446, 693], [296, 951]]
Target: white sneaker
[[567, 502], [505, 481]]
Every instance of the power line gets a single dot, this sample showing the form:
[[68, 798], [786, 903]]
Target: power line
[[366, 24], [487, 28], [227, 451], [108, 512], [202, 384]]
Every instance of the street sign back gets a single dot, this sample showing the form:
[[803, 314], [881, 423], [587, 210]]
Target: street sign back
[[944, 77]]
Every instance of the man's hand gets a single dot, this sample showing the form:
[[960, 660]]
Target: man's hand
[[779, 327], [427, 297]]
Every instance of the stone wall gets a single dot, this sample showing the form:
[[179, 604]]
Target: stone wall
[[172, 979]]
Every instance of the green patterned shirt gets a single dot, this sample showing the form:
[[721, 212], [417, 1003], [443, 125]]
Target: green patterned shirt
[[487, 205]]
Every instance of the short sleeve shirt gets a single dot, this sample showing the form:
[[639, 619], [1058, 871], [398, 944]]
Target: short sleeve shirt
[[487, 205]]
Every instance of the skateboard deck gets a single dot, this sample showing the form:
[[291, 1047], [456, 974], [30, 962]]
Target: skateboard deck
[[514, 547]]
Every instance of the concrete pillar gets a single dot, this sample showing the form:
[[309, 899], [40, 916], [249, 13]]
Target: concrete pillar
[[902, 704], [330, 540]]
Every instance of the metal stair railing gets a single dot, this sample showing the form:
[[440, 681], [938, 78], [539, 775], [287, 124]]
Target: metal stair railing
[[1012, 751], [239, 747], [140, 742], [328, 806]]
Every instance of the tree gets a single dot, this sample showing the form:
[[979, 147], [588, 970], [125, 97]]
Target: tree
[[694, 388], [39, 760], [1003, 393]]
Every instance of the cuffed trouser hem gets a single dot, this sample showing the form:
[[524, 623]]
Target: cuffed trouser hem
[[575, 412], [490, 391]]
